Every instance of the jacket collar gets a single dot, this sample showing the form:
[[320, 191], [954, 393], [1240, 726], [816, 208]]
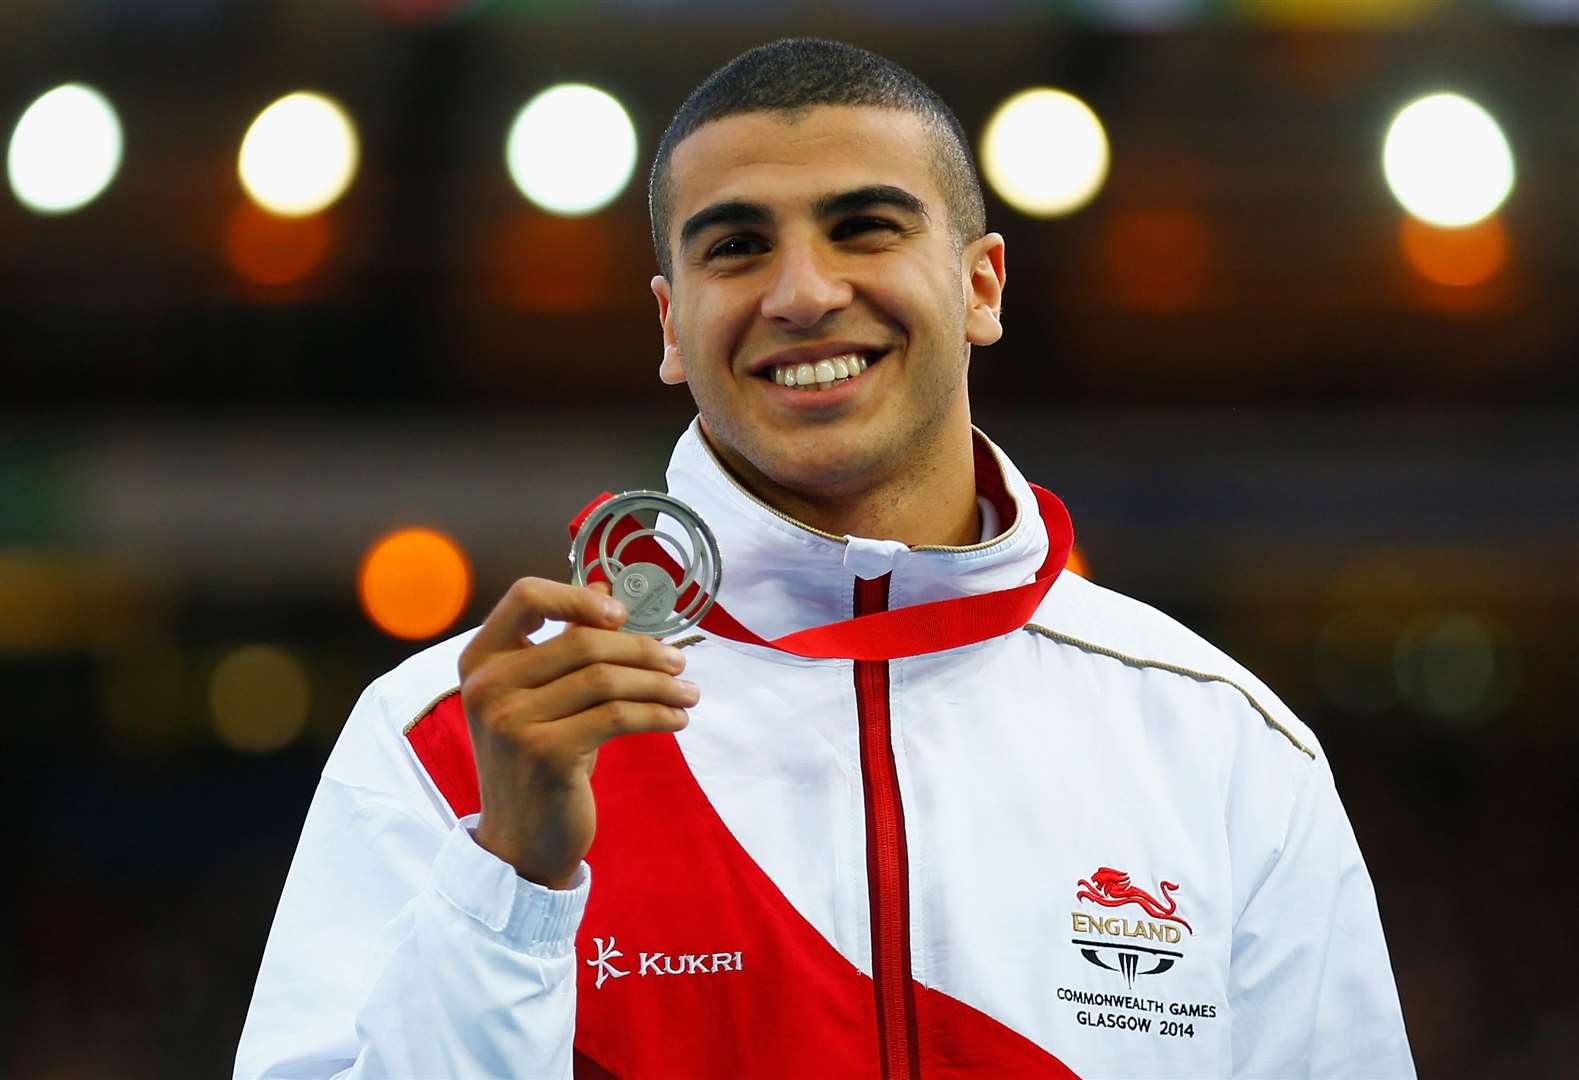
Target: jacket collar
[[780, 576]]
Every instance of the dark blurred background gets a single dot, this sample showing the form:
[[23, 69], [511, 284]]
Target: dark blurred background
[[1338, 440]]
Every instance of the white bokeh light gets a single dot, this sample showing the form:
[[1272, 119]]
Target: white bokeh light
[[571, 149], [1044, 152], [299, 155], [65, 150], [1447, 161]]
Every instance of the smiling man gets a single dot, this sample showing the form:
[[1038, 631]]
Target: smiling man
[[925, 804], [817, 242]]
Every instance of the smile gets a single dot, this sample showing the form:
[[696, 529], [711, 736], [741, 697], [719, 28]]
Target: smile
[[822, 375]]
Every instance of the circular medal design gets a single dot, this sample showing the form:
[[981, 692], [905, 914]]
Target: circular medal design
[[658, 525]]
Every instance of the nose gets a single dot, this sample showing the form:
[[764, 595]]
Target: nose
[[804, 288]]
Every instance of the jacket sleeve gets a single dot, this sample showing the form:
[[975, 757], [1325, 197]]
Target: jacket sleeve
[[402, 948], [1311, 989]]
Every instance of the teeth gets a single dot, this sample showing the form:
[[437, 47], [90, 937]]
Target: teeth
[[821, 375]]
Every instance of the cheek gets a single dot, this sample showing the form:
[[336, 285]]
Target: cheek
[[914, 296], [712, 324]]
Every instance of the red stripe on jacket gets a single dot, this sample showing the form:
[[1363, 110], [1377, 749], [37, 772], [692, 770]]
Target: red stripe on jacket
[[670, 878]]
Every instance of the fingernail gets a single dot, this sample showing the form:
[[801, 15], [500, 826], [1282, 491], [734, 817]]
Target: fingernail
[[673, 657], [613, 610], [691, 688]]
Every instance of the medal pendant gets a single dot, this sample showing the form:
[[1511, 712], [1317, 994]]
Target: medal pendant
[[626, 537]]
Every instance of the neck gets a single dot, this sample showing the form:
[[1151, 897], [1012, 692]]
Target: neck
[[932, 502]]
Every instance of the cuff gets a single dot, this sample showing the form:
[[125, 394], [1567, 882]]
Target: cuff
[[530, 917]]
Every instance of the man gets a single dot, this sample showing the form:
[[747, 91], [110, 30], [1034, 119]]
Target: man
[[923, 805]]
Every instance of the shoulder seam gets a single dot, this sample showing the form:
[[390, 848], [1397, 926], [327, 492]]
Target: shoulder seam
[[1160, 665], [428, 708]]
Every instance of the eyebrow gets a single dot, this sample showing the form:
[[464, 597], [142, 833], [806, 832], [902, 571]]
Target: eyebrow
[[740, 212]]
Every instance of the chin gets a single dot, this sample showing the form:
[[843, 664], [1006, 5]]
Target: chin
[[827, 472]]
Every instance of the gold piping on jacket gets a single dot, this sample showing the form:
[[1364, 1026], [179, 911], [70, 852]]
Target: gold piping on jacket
[[434, 704], [1202, 676]]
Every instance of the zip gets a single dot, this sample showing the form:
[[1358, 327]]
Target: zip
[[887, 861]]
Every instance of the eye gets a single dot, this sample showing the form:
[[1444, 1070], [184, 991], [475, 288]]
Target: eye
[[735, 247], [855, 226]]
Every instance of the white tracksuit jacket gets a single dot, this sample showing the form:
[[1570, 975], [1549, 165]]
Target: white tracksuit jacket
[[1093, 847]]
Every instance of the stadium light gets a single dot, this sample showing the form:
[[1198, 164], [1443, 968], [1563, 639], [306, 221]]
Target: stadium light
[[1044, 152], [571, 149], [259, 699], [299, 155], [65, 150], [1457, 257], [414, 583], [267, 249], [1447, 162]]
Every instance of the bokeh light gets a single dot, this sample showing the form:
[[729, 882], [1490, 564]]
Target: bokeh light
[[1044, 152], [1077, 563], [269, 250], [414, 583], [1459, 257], [299, 155], [547, 263], [1455, 667], [1156, 258], [258, 698], [65, 150], [1447, 162], [571, 149]]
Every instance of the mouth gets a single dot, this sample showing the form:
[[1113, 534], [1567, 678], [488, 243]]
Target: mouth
[[824, 374]]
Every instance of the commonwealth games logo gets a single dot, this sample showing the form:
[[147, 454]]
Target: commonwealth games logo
[[1112, 942]]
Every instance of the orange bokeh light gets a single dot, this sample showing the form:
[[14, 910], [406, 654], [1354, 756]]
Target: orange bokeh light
[[269, 250], [1077, 563], [414, 583], [1157, 259], [552, 264], [1467, 256]]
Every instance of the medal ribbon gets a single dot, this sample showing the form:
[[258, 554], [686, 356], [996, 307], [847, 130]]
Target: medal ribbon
[[884, 635]]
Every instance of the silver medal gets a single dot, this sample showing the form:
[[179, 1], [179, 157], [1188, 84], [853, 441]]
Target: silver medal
[[648, 591]]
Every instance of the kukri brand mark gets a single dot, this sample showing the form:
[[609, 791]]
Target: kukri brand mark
[[604, 962], [661, 963]]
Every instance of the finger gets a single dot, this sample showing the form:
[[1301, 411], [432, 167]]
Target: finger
[[527, 605], [596, 726], [591, 686], [575, 648]]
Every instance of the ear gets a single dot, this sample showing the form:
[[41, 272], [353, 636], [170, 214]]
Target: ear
[[984, 276], [671, 369]]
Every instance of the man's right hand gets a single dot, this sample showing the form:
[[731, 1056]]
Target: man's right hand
[[538, 713]]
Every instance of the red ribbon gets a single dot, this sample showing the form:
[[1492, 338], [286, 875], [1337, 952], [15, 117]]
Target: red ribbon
[[884, 635]]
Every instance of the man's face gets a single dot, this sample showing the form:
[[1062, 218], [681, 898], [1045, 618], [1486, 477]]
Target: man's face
[[822, 239]]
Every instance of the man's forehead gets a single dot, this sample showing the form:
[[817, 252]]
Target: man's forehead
[[772, 156]]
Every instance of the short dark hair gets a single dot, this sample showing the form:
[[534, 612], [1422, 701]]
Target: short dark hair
[[796, 74]]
